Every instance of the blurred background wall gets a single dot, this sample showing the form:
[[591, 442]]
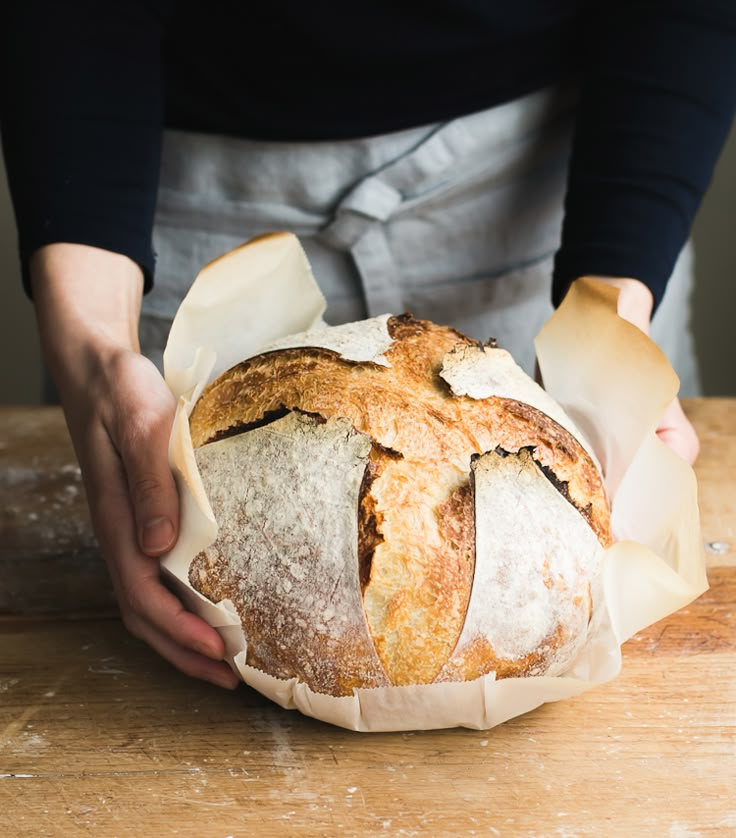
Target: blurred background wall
[[714, 315], [715, 291]]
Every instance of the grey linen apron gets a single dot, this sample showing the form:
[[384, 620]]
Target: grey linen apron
[[457, 222]]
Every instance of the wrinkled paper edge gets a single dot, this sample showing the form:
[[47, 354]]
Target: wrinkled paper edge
[[615, 391]]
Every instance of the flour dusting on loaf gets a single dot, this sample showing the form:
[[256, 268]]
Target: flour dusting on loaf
[[531, 622], [277, 546], [405, 519]]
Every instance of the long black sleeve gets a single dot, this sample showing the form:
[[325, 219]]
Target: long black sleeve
[[81, 124], [657, 102], [88, 86]]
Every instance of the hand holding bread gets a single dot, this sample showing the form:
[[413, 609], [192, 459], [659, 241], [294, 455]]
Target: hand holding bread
[[119, 412]]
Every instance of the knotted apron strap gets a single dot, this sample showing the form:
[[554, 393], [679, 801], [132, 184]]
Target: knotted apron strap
[[357, 224], [359, 221]]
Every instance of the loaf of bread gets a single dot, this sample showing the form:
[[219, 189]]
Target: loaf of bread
[[427, 517]]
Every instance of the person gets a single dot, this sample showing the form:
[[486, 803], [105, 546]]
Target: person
[[463, 160]]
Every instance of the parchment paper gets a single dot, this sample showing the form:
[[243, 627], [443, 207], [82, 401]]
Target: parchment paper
[[607, 375]]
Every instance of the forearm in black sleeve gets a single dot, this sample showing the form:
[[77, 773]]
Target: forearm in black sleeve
[[81, 124], [657, 101]]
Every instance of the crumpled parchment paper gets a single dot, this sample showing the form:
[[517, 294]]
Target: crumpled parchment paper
[[611, 380]]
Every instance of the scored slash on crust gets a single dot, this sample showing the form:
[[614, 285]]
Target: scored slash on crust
[[410, 591]]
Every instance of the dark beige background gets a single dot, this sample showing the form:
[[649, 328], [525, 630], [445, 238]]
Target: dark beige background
[[713, 317]]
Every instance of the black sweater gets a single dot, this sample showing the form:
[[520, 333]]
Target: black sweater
[[87, 87]]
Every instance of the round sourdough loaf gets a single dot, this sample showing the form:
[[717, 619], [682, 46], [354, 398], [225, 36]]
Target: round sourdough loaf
[[420, 518]]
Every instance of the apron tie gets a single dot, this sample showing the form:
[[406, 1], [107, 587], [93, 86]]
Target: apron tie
[[357, 225]]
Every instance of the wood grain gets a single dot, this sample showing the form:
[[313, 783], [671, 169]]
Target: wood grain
[[49, 561], [715, 422], [49, 558], [99, 736]]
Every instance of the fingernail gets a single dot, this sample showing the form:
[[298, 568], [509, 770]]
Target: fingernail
[[157, 535], [228, 682]]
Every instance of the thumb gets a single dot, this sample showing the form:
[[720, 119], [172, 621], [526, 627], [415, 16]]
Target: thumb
[[151, 485]]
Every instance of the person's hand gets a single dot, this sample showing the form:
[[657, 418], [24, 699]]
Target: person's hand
[[120, 412], [674, 429], [677, 433]]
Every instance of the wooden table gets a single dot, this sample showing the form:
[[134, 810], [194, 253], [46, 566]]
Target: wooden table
[[100, 737]]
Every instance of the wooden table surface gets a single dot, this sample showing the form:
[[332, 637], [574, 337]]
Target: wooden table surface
[[100, 737]]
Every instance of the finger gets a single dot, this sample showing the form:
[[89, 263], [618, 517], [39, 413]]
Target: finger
[[189, 662], [153, 614], [143, 598], [155, 605], [679, 443], [143, 447], [676, 431]]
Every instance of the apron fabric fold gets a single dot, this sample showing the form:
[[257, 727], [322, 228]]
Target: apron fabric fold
[[456, 222]]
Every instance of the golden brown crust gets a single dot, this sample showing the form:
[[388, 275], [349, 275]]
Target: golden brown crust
[[416, 596], [418, 592], [409, 409], [370, 519]]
